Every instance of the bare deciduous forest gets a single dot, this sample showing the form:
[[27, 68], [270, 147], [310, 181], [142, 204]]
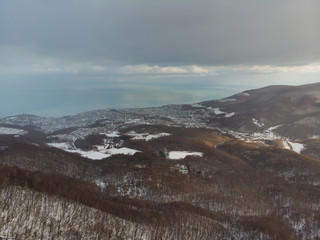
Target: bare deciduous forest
[[236, 190]]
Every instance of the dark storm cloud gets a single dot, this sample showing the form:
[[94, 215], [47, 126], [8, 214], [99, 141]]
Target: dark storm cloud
[[163, 32]]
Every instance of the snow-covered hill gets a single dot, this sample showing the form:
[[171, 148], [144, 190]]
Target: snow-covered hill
[[236, 168]]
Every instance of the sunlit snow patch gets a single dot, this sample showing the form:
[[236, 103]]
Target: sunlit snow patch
[[297, 147], [11, 131], [174, 155]]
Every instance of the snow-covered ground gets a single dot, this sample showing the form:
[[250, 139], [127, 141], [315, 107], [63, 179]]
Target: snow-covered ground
[[181, 168], [113, 134], [297, 147], [11, 131], [315, 137], [229, 115], [274, 127], [217, 111], [124, 150], [257, 123], [146, 136], [99, 154], [258, 136], [63, 146], [268, 135], [174, 155], [94, 155]]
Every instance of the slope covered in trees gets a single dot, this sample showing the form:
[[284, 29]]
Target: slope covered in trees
[[236, 190]]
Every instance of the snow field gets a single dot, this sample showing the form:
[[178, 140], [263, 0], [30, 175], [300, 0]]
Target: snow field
[[217, 111], [101, 152], [112, 134], [175, 155], [146, 136], [297, 147], [268, 135], [11, 131]]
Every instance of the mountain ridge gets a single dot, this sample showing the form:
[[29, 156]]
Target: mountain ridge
[[289, 106]]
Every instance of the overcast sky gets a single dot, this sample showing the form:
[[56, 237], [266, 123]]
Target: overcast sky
[[60, 57]]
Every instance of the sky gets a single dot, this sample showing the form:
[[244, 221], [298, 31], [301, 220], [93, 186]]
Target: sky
[[63, 57]]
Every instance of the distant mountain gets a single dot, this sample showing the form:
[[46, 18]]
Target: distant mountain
[[294, 110]]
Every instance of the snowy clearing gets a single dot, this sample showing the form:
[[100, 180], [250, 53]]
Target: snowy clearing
[[101, 152], [217, 111], [94, 155], [11, 131], [112, 134], [297, 147], [124, 150], [268, 135], [174, 155], [62, 146], [229, 115], [146, 136], [256, 136], [197, 105]]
